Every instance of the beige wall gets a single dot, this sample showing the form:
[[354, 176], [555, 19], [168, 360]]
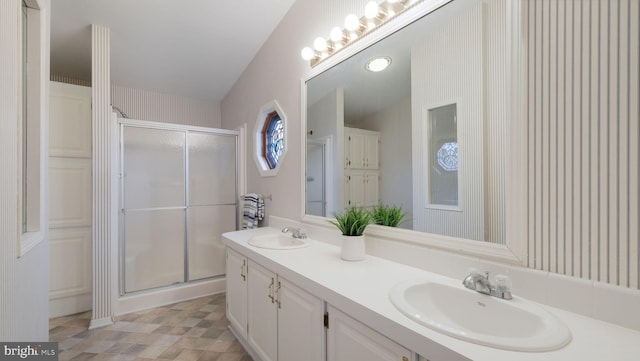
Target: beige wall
[[275, 73], [154, 106], [395, 155]]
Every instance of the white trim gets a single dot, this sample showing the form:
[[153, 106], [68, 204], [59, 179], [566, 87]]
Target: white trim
[[168, 295], [263, 168], [37, 17], [514, 250], [69, 305], [425, 121], [100, 322], [242, 162], [172, 126]]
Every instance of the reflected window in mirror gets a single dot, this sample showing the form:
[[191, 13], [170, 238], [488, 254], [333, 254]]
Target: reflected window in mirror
[[443, 167]]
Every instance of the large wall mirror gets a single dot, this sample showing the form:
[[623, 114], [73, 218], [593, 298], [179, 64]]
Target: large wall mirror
[[432, 133]]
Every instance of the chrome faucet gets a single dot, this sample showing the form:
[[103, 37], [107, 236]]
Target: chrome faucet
[[295, 232], [479, 283]]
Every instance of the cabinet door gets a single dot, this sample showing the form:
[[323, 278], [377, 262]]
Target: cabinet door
[[371, 189], [348, 340], [300, 324], [356, 188], [357, 156], [347, 189], [237, 292], [262, 312], [371, 150]]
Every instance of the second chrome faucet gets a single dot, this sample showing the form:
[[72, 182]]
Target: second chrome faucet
[[500, 288], [295, 232]]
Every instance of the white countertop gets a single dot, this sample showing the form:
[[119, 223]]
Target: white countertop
[[361, 289]]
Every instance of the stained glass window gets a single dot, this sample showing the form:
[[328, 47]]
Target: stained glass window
[[273, 139], [448, 156]]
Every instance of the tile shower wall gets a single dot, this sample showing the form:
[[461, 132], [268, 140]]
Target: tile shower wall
[[583, 135]]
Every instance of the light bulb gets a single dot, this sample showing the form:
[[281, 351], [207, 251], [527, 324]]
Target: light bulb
[[307, 53], [336, 34], [371, 10], [320, 44], [351, 22], [394, 6], [378, 64]]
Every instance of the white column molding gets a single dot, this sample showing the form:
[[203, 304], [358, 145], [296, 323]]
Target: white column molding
[[9, 75], [101, 118]]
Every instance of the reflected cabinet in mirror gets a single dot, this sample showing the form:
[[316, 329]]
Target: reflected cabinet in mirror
[[427, 133]]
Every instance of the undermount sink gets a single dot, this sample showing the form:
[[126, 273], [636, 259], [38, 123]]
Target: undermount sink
[[279, 241], [516, 324]]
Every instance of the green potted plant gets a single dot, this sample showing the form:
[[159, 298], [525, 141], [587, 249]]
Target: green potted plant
[[390, 216], [352, 224]]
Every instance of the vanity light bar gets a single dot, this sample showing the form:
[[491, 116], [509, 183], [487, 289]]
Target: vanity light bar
[[375, 15]]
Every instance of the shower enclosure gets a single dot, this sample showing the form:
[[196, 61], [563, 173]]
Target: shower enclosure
[[316, 188], [178, 194]]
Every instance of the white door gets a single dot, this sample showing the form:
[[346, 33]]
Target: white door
[[237, 291], [349, 340], [262, 312], [372, 151], [300, 324], [357, 188], [70, 201]]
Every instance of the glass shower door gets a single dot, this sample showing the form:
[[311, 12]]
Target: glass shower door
[[212, 201], [316, 194], [153, 205]]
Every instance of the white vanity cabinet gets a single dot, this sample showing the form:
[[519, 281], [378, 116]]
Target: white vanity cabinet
[[237, 291], [348, 340], [285, 323]]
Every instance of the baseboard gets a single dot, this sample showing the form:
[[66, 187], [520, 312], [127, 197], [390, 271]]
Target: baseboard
[[165, 296], [101, 322], [69, 305], [244, 344]]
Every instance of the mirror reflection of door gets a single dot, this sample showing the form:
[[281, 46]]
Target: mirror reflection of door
[[316, 174]]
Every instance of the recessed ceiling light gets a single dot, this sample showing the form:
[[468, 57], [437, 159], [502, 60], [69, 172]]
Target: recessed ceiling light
[[378, 64]]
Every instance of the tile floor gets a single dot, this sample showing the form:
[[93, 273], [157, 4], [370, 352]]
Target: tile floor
[[193, 330]]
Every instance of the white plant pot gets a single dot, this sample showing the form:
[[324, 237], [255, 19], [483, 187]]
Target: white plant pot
[[352, 248]]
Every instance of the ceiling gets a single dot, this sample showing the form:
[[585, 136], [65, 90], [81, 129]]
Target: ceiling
[[193, 48]]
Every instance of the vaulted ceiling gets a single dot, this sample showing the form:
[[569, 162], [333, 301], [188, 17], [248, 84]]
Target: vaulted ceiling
[[194, 48]]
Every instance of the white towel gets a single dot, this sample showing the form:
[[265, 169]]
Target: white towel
[[253, 210]]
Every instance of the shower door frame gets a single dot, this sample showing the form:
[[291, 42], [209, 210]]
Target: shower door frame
[[186, 129]]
